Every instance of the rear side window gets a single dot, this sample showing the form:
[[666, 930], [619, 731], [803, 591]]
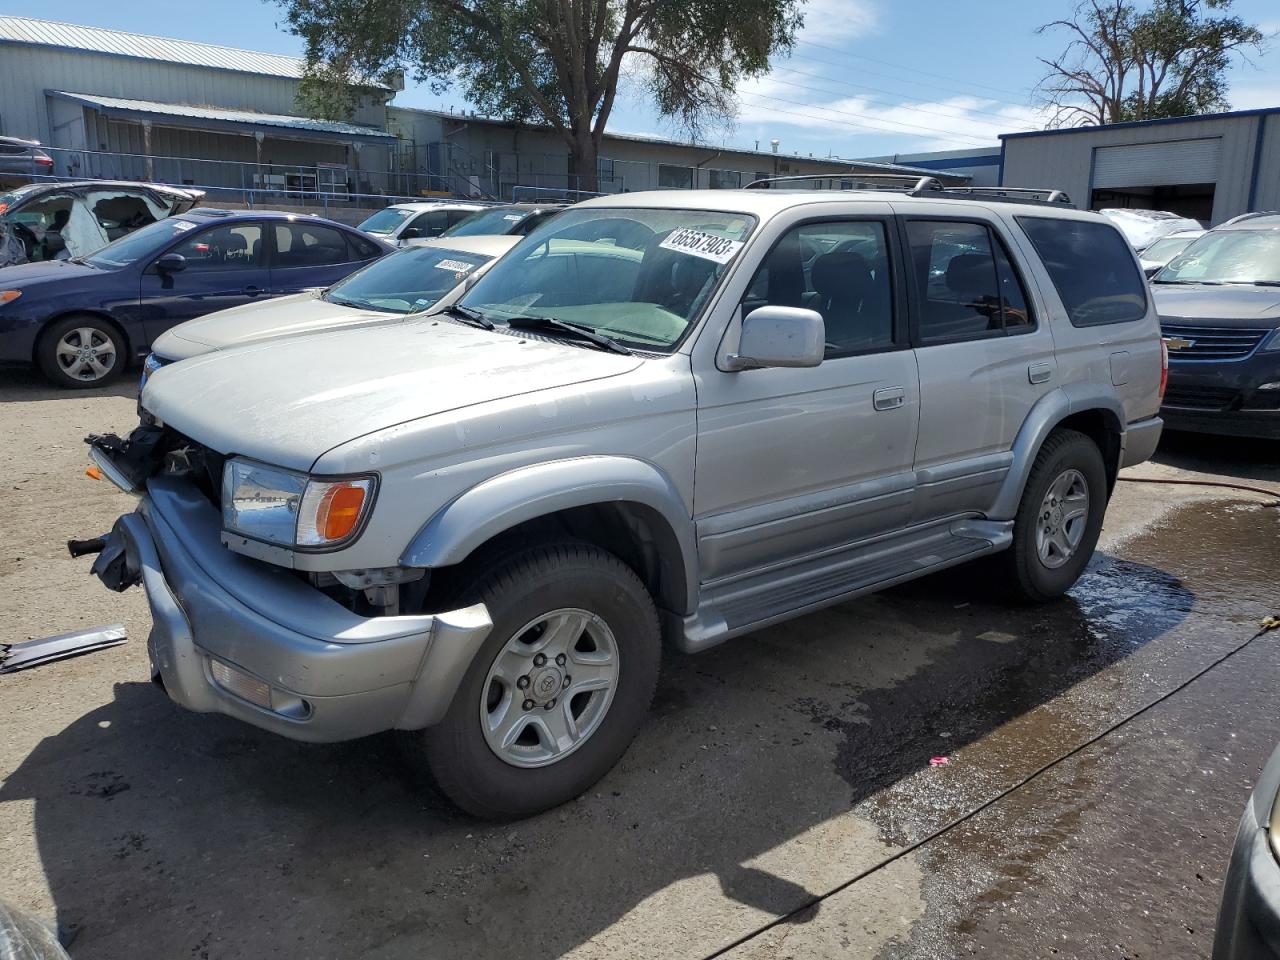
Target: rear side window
[[1092, 268], [309, 245], [362, 249], [968, 287]]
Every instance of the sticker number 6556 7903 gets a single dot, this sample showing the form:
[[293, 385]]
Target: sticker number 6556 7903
[[701, 244]]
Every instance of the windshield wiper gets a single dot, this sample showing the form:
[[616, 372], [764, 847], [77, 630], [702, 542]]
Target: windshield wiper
[[1255, 283], [1207, 283], [473, 316], [569, 327]]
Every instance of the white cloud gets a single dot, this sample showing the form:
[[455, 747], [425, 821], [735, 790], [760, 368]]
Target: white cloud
[[829, 20]]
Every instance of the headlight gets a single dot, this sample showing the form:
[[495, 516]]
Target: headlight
[[1271, 343], [291, 509]]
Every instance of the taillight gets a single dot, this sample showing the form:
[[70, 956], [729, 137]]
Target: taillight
[[1164, 368], [44, 161]]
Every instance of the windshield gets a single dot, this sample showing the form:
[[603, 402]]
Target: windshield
[[497, 221], [140, 244], [1227, 256], [639, 276], [17, 195], [385, 221], [1162, 251], [408, 281]]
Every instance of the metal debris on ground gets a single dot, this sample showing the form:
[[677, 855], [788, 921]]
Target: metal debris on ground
[[36, 653]]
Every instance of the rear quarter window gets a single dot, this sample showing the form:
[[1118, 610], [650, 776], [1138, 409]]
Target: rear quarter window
[[1092, 268]]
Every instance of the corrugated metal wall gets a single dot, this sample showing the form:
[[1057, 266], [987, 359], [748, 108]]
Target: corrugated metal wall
[[1065, 159]]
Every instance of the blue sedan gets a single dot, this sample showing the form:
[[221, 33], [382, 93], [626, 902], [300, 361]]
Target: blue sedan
[[83, 320]]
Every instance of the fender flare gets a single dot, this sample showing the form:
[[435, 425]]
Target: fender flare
[[526, 493], [1049, 411]]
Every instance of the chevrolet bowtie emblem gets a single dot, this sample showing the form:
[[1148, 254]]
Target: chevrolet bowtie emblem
[[1178, 343]]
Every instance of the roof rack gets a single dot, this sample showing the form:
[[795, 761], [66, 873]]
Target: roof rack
[[911, 184], [1011, 194]]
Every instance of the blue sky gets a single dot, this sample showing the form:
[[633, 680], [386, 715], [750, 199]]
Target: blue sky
[[868, 77]]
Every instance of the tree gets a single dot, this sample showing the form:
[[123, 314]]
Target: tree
[[554, 62], [1122, 63]]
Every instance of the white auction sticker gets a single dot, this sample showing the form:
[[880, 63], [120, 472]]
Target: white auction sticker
[[705, 245], [457, 266], [513, 217]]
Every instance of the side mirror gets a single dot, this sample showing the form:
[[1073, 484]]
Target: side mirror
[[779, 337], [171, 263], [411, 233]]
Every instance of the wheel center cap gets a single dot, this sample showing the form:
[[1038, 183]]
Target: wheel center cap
[[546, 683], [1056, 517]]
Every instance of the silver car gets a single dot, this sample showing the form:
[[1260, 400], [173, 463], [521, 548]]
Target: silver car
[[672, 417]]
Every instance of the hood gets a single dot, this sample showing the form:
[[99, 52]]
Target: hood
[[287, 402], [252, 322], [26, 275], [1229, 305]]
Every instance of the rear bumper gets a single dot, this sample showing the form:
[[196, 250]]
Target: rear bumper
[[1140, 440], [332, 675]]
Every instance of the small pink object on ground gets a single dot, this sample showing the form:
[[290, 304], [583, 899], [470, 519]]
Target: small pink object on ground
[[939, 761]]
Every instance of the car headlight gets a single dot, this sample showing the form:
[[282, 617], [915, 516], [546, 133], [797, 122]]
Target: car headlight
[[1271, 343], [292, 509]]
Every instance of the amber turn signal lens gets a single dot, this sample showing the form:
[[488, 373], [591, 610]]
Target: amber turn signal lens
[[340, 511], [8, 296]]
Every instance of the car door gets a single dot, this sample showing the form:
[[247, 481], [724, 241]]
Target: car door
[[223, 266], [791, 462], [307, 255], [984, 353]]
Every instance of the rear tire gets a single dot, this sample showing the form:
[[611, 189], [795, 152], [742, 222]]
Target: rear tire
[[80, 352], [578, 608], [1052, 540]]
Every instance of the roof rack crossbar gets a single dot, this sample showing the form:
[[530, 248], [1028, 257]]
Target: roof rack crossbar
[[1012, 194], [909, 182]]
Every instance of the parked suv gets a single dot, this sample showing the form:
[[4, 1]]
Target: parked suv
[[678, 415], [1219, 305]]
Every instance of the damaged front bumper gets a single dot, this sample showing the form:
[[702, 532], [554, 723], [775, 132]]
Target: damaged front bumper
[[241, 637]]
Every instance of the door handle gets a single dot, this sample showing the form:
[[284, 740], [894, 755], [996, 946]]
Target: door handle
[[252, 291], [889, 398], [1040, 371]]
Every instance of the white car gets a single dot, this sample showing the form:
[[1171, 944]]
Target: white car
[[1166, 248], [1142, 228], [419, 220], [402, 283]]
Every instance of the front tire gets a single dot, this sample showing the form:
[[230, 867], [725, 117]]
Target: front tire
[[558, 690], [81, 352], [1059, 518]]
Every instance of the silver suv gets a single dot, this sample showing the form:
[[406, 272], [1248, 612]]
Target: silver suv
[[672, 416]]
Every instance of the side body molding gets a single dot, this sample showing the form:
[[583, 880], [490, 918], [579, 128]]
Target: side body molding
[[509, 499], [1048, 412]]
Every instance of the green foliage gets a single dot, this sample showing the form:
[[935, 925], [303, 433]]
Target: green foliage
[[1169, 59], [556, 62]]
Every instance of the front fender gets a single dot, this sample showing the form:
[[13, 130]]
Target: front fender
[[1049, 411], [510, 499]]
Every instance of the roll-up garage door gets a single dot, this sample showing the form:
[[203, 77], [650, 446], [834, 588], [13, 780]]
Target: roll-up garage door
[[1157, 164]]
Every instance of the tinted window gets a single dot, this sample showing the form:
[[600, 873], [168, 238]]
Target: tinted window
[[841, 270], [362, 248], [232, 247], [309, 245], [1092, 268], [429, 224], [968, 287], [496, 221]]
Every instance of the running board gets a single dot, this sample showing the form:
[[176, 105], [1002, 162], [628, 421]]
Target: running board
[[731, 608]]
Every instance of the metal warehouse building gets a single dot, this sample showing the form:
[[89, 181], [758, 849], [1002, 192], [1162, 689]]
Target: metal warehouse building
[[1210, 167], [113, 104]]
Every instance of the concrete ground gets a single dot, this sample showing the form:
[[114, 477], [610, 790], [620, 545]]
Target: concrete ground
[[779, 803]]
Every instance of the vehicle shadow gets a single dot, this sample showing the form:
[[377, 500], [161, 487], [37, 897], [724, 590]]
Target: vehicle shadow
[[165, 833], [24, 384], [1241, 457]]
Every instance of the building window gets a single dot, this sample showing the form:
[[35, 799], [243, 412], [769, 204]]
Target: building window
[[725, 179], [604, 169], [678, 178]]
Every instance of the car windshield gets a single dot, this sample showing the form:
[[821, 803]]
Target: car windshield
[[1162, 251], [408, 281], [385, 221], [140, 244], [1227, 256], [17, 195], [639, 276], [497, 221]]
